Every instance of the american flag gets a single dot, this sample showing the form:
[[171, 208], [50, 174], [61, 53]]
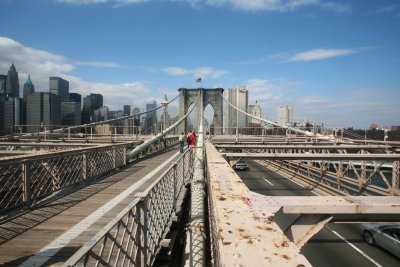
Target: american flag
[[198, 80]]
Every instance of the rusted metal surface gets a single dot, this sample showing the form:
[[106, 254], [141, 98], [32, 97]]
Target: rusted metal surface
[[240, 233], [301, 156]]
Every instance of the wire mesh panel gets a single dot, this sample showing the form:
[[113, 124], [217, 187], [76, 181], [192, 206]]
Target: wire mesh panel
[[134, 237], [11, 185], [51, 174], [25, 181]]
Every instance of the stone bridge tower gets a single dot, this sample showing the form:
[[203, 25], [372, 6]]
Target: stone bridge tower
[[210, 96]]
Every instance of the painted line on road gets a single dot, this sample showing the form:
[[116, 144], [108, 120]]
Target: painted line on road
[[299, 184], [315, 193], [268, 182], [356, 248], [51, 249]]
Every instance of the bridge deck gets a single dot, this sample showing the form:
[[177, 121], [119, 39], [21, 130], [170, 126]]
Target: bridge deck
[[51, 233]]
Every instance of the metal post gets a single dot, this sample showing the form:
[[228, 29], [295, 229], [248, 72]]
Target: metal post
[[396, 178], [26, 183], [237, 114]]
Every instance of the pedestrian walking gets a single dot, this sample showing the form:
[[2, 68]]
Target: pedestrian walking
[[181, 141], [192, 139]]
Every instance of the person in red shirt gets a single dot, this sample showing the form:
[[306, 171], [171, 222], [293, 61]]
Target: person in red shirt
[[192, 139]]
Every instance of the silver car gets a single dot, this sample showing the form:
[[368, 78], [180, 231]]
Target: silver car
[[241, 165], [386, 236]]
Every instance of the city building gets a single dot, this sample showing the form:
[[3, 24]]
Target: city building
[[3, 80], [285, 116], [43, 111], [91, 103], [10, 113], [28, 89], [255, 110], [60, 87], [75, 97], [231, 117], [12, 82], [150, 120], [136, 120], [71, 113], [127, 110]]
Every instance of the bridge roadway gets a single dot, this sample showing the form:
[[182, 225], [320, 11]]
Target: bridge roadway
[[51, 233], [336, 244]]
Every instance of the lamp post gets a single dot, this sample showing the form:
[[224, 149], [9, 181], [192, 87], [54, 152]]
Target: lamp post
[[164, 104]]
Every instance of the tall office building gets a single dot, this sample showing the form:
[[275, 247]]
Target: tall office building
[[285, 115], [71, 113], [10, 113], [29, 88], [12, 82], [91, 103], [75, 97], [230, 114], [60, 87], [3, 80], [43, 110], [151, 117], [127, 110], [255, 110]]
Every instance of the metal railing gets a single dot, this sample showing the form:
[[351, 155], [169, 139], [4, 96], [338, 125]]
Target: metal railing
[[133, 237], [25, 180]]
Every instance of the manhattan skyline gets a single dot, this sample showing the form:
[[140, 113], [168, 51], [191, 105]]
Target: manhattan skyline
[[335, 62]]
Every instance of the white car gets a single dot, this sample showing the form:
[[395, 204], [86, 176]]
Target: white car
[[241, 165], [386, 236]]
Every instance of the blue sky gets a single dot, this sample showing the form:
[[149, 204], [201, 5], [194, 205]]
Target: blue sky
[[336, 62]]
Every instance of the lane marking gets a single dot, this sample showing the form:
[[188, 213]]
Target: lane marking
[[268, 182], [299, 184], [354, 247], [51, 249]]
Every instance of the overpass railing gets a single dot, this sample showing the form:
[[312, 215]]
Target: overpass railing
[[134, 236], [26, 180]]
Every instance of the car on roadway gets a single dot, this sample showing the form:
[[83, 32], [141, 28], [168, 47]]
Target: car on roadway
[[241, 165], [386, 236]]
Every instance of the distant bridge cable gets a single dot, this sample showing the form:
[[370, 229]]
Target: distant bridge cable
[[307, 133], [113, 120], [137, 150]]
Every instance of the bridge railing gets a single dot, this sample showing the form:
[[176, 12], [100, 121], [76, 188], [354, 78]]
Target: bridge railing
[[133, 237], [26, 180]]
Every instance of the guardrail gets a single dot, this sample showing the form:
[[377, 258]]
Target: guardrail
[[133, 237], [26, 180]]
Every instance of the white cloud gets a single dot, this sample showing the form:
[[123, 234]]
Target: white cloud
[[201, 72], [322, 53], [99, 64], [41, 65]]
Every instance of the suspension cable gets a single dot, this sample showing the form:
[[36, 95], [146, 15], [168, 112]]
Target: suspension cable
[[307, 133]]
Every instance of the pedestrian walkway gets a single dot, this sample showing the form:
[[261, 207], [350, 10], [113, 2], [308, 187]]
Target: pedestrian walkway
[[51, 233]]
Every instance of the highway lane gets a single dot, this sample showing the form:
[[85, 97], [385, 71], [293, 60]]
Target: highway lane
[[336, 244]]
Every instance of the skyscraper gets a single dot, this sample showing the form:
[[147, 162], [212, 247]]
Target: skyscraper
[[255, 110], [60, 87], [91, 103], [285, 116], [230, 113], [43, 109], [28, 88], [10, 113], [127, 110], [12, 82], [3, 80]]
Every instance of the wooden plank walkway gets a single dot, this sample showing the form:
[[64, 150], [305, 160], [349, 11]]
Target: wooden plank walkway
[[25, 235]]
